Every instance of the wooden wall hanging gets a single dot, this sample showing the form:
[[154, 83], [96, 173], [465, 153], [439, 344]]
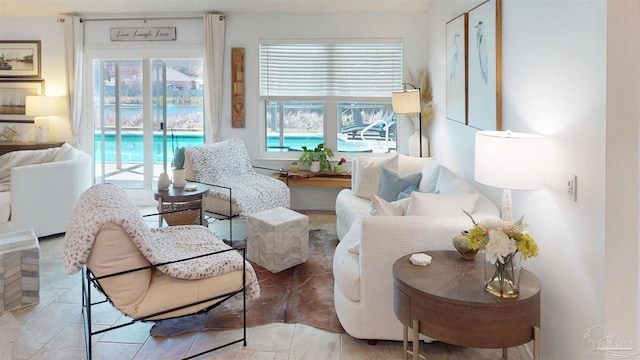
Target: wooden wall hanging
[[237, 87]]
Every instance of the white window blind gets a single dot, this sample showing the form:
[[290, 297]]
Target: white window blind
[[324, 71]]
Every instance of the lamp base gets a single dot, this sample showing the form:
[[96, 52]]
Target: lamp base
[[414, 145], [506, 205], [41, 130]]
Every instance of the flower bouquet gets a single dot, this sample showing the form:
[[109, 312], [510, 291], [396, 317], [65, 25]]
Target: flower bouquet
[[504, 244]]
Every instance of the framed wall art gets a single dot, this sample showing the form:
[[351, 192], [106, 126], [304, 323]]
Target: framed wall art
[[19, 59], [13, 93], [485, 66], [457, 69]]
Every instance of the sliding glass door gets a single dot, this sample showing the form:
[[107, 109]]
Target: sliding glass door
[[142, 110]]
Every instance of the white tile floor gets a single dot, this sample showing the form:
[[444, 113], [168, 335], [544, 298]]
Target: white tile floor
[[53, 329]]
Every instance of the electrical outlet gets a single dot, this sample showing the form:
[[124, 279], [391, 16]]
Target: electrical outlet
[[572, 189]]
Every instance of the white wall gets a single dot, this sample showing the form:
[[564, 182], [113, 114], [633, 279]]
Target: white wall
[[554, 81], [51, 35], [242, 30], [246, 30]]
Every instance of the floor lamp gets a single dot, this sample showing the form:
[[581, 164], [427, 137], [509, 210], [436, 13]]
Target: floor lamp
[[408, 102], [508, 160]]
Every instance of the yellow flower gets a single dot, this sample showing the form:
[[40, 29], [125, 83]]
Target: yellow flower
[[476, 238], [526, 245]]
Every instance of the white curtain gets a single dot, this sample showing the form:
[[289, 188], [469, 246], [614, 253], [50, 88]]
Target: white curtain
[[74, 52], [213, 61]]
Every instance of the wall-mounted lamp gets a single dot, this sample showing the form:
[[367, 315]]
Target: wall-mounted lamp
[[508, 160], [41, 107], [408, 102]]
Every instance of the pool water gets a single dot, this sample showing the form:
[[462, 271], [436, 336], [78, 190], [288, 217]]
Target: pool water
[[132, 145]]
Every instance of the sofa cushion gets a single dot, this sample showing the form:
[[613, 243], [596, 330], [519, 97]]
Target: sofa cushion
[[441, 205], [381, 207], [367, 175], [5, 206], [429, 179], [65, 152], [448, 182], [347, 264], [392, 183]]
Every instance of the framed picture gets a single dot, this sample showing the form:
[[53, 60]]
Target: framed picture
[[19, 59], [13, 94], [457, 69], [485, 66]]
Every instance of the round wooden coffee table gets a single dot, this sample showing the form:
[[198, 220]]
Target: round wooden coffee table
[[181, 195], [446, 300]]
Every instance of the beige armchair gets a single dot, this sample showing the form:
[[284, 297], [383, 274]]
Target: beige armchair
[[149, 274]]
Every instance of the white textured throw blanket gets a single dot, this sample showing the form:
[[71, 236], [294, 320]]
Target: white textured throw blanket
[[107, 203], [227, 163], [22, 158]]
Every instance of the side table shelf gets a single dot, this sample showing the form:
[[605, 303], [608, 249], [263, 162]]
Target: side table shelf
[[321, 179], [9, 146]]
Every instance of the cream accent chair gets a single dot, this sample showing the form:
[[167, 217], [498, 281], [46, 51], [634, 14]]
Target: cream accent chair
[[149, 274]]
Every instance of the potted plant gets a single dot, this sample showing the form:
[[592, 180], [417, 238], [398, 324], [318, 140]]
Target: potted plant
[[179, 172], [337, 168], [318, 158]]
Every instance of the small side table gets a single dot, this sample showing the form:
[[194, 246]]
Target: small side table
[[19, 270], [180, 195], [278, 238], [446, 300]]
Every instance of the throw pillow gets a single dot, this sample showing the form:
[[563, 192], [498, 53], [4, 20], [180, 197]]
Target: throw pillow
[[355, 248], [441, 205], [381, 207], [65, 152], [367, 175], [407, 192], [448, 182], [429, 180], [392, 183]]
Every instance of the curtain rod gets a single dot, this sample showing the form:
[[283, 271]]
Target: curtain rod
[[222, 17]]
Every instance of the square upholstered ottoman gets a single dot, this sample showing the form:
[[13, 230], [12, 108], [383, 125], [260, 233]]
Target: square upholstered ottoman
[[19, 270], [278, 238]]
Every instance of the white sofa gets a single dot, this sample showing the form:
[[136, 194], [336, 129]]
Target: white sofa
[[363, 287], [39, 188]]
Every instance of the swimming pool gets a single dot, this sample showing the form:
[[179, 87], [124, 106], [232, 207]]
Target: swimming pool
[[132, 145]]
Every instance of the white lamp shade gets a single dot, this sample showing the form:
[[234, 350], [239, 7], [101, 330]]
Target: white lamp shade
[[43, 105], [406, 102], [508, 160]]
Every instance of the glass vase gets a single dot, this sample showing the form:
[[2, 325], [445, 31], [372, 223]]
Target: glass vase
[[503, 280]]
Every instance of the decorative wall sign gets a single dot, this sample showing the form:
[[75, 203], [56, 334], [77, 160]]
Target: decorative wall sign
[[457, 69], [19, 59], [13, 93], [485, 66], [237, 87], [143, 34]]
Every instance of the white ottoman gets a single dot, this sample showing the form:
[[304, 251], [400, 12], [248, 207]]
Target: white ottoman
[[19, 270], [278, 238]]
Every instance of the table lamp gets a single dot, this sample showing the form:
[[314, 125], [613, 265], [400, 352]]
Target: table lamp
[[508, 160], [42, 107], [408, 102]]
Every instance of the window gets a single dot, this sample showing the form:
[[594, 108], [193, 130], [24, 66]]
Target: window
[[336, 93]]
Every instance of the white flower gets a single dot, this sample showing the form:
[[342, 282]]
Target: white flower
[[493, 223], [499, 246]]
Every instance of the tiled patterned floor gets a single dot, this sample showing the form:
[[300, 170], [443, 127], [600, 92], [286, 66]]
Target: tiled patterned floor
[[53, 329]]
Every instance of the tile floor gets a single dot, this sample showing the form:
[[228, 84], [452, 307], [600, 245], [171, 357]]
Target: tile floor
[[52, 329]]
